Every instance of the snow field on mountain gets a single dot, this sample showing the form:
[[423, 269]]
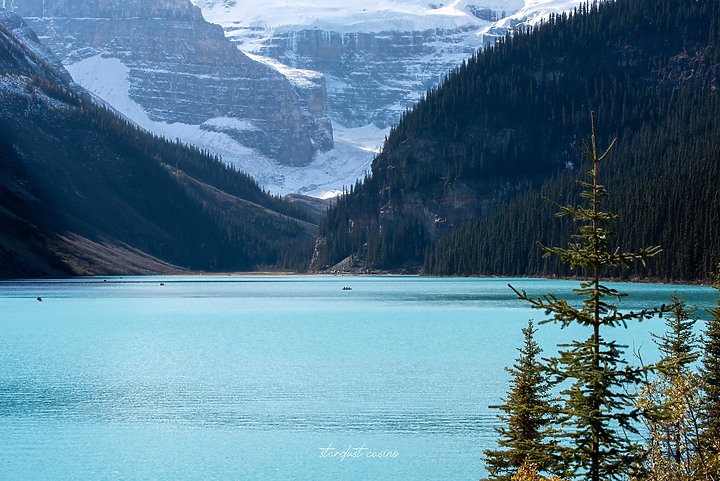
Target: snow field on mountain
[[253, 25], [350, 15], [107, 78]]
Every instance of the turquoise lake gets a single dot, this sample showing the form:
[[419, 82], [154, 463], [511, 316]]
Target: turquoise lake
[[279, 377]]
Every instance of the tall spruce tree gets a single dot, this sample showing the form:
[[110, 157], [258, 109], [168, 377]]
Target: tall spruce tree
[[597, 412], [524, 436]]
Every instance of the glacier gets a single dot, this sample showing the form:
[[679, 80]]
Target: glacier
[[378, 57], [324, 177], [355, 66]]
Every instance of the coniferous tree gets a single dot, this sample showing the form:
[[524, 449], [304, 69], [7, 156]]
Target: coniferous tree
[[597, 410], [710, 373], [678, 346], [672, 402], [525, 436]]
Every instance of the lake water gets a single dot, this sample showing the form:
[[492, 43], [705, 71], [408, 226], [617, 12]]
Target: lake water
[[254, 378]]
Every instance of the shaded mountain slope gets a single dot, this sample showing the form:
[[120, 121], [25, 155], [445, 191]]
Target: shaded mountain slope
[[456, 189], [83, 191], [176, 68]]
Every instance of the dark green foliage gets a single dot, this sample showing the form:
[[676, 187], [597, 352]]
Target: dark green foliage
[[524, 437], [397, 245], [679, 345], [497, 135], [247, 237], [664, 193], [597, 410]]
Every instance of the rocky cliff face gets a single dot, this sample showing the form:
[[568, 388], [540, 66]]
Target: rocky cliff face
[[374, 76], [182, 69], [25, 53], [379, 58]]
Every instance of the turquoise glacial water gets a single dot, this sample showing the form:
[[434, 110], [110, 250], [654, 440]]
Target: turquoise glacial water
[[280, 377]]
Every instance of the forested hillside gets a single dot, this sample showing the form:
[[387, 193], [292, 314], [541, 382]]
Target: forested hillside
[[83, 191], [458, 187]]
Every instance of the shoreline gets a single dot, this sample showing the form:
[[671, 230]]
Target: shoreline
[[251, 274]]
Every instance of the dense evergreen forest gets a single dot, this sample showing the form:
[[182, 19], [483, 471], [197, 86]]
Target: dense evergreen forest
[[459, 185], [81, 187], [244, 227], [589, 412]]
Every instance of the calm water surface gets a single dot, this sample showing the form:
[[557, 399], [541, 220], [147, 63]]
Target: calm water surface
[[253, 378]]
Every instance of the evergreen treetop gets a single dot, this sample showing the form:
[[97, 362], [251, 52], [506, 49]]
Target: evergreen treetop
[[597, 412], [524, 435], [678, 346]]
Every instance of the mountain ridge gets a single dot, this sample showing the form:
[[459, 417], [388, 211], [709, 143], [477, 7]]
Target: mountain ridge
[[457, 188], [334, 146], [181, 70], [86, 192]]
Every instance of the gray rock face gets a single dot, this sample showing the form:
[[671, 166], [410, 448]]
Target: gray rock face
[[183, 69], [374, 76], [44, 60], [379, 56]]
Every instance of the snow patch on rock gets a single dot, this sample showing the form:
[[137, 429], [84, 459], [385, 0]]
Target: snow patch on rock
[[325, 176]]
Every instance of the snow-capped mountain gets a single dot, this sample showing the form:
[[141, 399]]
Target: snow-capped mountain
[[378, 56], [176, 68], [83, 192], [310, 92]]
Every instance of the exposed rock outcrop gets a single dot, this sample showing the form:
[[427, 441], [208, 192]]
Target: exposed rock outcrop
[[183, 69], [375, 76]]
